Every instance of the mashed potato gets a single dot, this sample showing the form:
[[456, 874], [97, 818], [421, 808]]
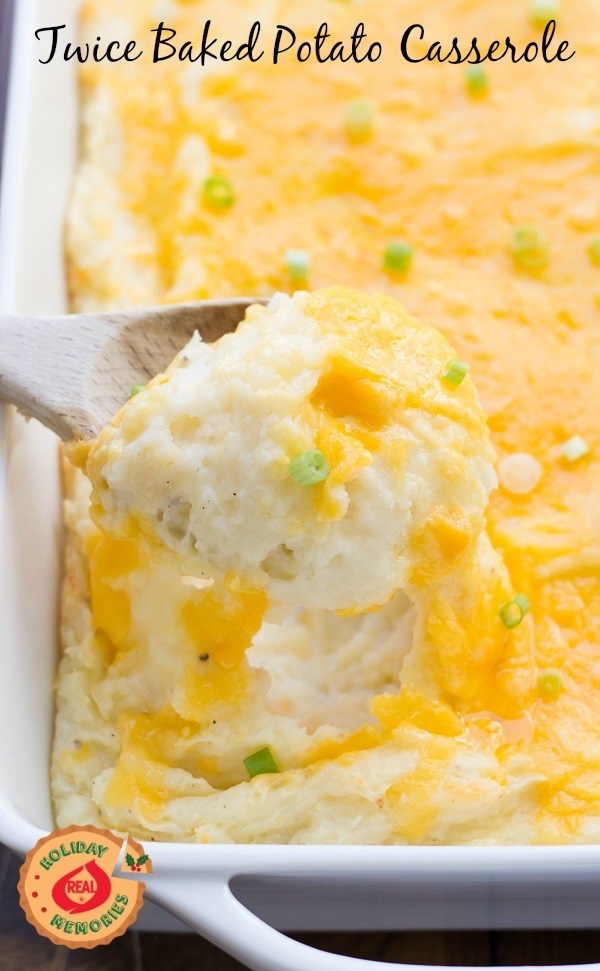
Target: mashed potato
[[201, 458], [157, 714], [428, 720]]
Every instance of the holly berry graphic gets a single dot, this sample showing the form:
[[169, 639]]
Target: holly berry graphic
[[136, 865]]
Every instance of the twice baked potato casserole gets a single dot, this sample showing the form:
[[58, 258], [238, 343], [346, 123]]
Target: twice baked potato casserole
[[336, 577]]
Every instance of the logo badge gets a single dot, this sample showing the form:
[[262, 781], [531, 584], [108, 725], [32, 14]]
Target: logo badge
[[68, 889]]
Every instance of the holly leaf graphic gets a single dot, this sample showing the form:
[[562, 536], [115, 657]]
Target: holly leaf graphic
[[129, 860], [142, 859]]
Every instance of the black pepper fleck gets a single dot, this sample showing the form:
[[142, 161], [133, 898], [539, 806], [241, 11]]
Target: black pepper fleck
[[203, 657]]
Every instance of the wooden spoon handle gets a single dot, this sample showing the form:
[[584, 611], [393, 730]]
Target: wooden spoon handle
[[74, 372], [41, 366]]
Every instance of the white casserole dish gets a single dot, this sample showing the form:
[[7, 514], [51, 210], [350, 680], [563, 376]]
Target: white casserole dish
[[291, 887]]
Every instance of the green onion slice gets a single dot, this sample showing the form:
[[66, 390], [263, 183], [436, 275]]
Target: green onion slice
[[529, 248], [219, 192], [513, 611], [550, 682], [398, 257], [594, 251], [477, 80], [135, 389], [360, 115], [456, 372], [544, 10], [575, 448], [297, 262], [260, 763], [309, 467]]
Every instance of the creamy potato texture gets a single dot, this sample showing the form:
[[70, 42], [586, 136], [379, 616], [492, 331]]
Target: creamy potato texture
[[427, 720], [203, 458]]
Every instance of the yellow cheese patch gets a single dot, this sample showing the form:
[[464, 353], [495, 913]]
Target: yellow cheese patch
[[110, 563]]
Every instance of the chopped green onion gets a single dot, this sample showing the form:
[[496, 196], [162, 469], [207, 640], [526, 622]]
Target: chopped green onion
[[398, 257], [519, 473], [219, 192], [135, 389], [298, 263], [594, 251], [477, 81], [513, 611], [309, 467], [456, 372], [260, 763], [575, 448], [360, 116], [550, 682], [544, 10], [529, 248]]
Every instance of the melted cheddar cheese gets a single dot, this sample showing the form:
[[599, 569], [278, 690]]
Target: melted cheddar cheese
[[473, 748]]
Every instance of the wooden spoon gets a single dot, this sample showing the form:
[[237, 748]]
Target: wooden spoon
[[74, 372]]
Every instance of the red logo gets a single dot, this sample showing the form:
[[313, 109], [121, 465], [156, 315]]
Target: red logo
[[84, 888], [69, 890]]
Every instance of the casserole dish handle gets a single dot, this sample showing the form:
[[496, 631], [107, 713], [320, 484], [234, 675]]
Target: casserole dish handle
[[209, 907]]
